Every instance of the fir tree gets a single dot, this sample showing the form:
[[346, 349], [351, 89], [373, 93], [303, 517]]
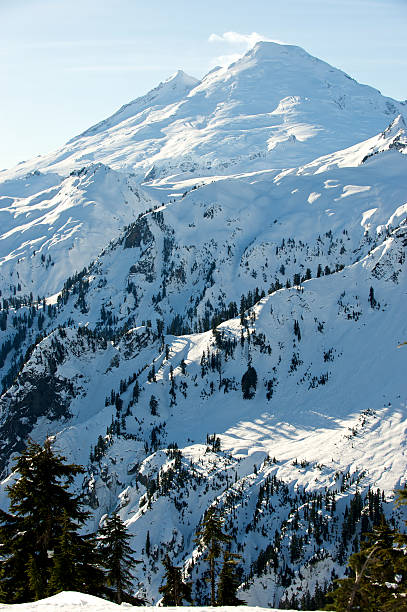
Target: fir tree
[[372, 299], [117, 555], [31, 531], [90, 564], [402, 493], [211, 536], [76, 563], [229, 581], [64, 575], [136, 391], [174, 590]]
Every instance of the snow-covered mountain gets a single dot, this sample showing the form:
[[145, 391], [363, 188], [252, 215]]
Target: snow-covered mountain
[[278, 105], [202, 299]]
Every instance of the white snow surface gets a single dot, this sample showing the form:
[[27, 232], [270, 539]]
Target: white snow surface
[[67, 601], [52, 223], [71, 601]]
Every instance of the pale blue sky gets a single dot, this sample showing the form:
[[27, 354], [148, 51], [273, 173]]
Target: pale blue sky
[[66, 64]]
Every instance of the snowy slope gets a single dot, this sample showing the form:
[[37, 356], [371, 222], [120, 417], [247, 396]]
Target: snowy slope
[[49, 222], [67, 601], [242, 232], [70, 601]]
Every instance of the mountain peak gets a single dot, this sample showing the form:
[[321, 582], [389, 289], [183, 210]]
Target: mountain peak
[[264, 51], [266, 48], [172, 89], [182, 78], [396, 125], [395, 136]]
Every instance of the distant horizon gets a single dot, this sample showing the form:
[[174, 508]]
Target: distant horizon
[[83, 61]]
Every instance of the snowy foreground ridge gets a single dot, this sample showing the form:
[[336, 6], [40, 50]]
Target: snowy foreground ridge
[[70, 601], [203, 298]]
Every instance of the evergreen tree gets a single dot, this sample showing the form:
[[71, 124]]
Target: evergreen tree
[[372, 299], [174, 590], [402, 493], [379, 575], [148, 544], [229, 581], [13, 565], [153, 405], [64, 575], [136, 391], [31, 531], [90, 564], [77, 563], [249, 383], [211, 536], [117, 555]]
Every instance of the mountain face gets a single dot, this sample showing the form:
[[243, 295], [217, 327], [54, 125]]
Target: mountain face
[[202, 298]]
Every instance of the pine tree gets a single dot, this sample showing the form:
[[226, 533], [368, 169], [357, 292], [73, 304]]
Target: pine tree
[[174, 590], [90, 564], [13, 566], [229, 581], [117, 555], [211, 536], [372, 299], [30, 532]]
